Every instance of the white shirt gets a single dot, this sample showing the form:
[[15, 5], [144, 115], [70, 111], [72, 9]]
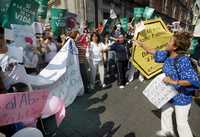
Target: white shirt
[[96, 51], [31, 60], [53, 51]]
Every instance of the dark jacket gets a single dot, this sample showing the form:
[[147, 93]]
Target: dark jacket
[[121, 51]]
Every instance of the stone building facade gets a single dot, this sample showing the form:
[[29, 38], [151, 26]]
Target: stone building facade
[[97, 10]]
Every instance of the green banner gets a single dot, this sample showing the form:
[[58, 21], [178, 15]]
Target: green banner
[[148, 12], [124, 23], [4, 5], [138, 12], [43, 8], [21, 12], [58, 20]]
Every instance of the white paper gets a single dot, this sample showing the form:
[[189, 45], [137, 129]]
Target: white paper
[[15, 53], [112, 14], [196, 32], [9, 35], [37, 28], [139, 27], [158, 93], [22, 31]]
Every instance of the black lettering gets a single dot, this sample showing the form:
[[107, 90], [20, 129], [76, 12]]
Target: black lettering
[[31, 100], [12, 104], [24, 100]]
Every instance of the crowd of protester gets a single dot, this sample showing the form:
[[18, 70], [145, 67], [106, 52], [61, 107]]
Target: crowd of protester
[[103, 58]]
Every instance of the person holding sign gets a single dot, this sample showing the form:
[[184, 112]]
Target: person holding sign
[[51, 49], [182, 76]]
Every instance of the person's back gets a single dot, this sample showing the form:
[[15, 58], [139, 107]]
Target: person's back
[[121, 51]]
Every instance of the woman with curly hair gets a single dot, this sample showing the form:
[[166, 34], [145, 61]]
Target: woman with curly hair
[[182, 76]]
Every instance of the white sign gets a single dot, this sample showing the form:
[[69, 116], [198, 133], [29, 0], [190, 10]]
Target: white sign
[[9, 35], [37, 28], [15, 52], [21, 32], [176, 26], [196, 32], [139, 27], [158, 93], [112, 14]]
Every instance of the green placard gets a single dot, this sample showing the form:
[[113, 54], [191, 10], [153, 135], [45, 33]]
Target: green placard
[[43, 8], [108, 25], [58, 20], [194, 43], [91, 25], [148, 12], [4, 5], [138, 12], [21, 12], [124, 23]]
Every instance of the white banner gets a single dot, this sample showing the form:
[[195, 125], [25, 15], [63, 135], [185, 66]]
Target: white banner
[[70, 84], [61, 76], [158, 93]]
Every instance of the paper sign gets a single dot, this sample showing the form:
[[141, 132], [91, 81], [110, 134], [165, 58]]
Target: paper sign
[[158, 93], [156, 36], [43, 7], [196, 32], [148, 12], [139, 27], [138, 12], [9, 35], [37, 28], [20, 32], [15, 53], [112, 14], [23, 106], [124, 23]]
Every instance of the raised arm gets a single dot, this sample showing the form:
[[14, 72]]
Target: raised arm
[[145, 47]]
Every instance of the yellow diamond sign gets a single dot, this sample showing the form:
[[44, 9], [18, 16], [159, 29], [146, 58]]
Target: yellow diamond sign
[[156, 35]]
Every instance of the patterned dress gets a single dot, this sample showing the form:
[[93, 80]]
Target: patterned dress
[[179, 68]]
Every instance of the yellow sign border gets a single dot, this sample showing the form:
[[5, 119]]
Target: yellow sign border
[[135, 63]]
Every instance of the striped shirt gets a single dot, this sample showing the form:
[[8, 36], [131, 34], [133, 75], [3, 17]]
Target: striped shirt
[[81, 52]]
